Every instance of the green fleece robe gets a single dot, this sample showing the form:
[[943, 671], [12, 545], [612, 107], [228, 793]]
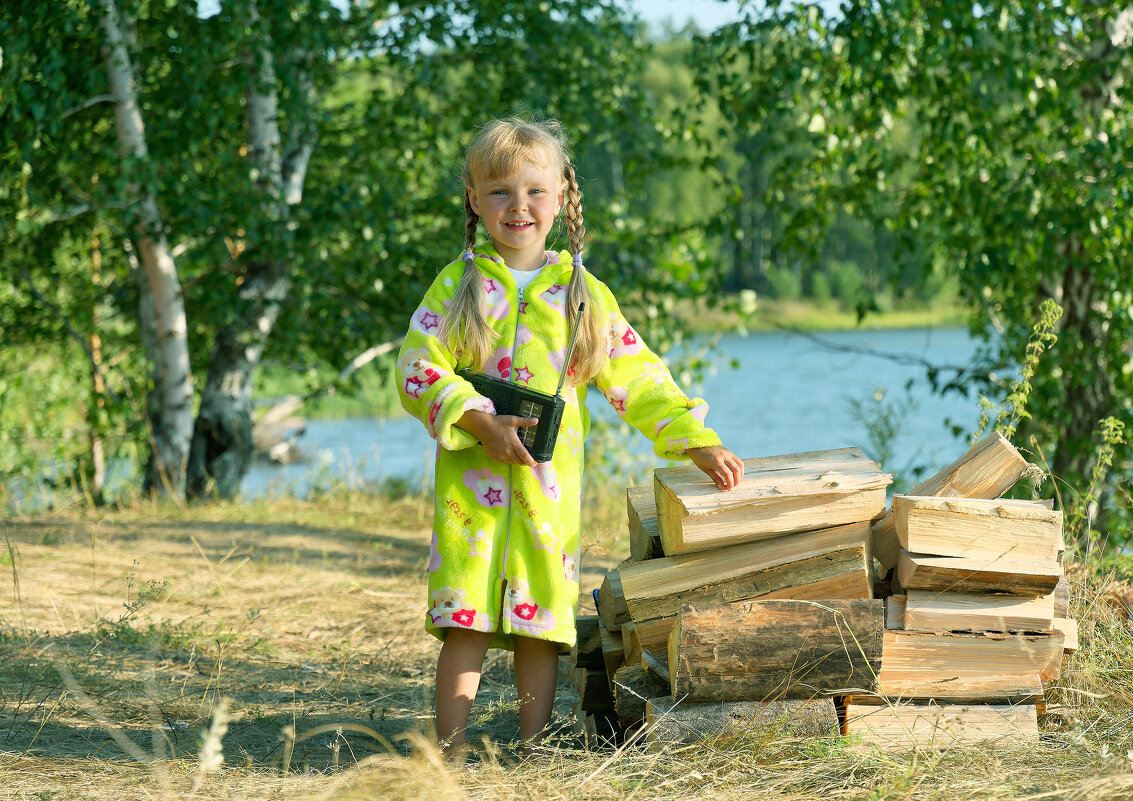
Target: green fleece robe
[[505, 550]]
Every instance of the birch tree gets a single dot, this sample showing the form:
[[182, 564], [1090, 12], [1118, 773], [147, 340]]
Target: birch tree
[[162, 308], [277, 167], [222, 435]]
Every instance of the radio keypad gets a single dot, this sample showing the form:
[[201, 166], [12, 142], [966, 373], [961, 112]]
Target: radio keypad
[[529, 408]]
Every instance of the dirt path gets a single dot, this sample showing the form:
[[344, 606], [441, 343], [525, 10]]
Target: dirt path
[[120, 633], [308, 616]]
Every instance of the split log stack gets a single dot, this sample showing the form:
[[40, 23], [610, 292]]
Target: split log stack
[[761, 597], [978, 626], [758, 609]]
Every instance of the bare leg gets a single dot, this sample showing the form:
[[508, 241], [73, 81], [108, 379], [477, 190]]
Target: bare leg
[[536, 674], [458, 677]]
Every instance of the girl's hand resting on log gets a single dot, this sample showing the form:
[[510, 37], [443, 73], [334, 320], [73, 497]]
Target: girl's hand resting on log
[[720, 464]]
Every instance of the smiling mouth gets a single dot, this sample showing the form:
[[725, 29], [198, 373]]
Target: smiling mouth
[[519, 226]]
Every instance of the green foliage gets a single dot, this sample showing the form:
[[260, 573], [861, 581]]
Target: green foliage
[[1042, 336], [1109, 436], [896, 149], [1013, 409], [989, 141], [785, 283], [847, 282], [820, 288], [388, 94], [369, 392]]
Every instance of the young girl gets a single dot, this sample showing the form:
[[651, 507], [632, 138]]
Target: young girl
[[503, 570]]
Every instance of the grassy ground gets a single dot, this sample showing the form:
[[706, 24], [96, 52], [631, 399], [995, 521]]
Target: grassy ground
[[122, 631]]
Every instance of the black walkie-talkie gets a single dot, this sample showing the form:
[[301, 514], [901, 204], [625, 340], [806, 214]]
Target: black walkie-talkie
[[509, 398]]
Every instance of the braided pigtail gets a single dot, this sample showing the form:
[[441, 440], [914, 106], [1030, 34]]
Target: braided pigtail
[[465, 328], [590, 350]]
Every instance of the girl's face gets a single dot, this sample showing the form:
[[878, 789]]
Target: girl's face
[[519, 210]]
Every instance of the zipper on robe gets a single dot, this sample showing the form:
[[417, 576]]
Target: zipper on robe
[[510, 467]]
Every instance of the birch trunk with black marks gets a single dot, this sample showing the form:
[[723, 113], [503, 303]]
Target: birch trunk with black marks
[[1085, 328], [222, 447], [170, 405]]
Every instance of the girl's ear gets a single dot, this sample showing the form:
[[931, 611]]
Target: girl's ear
[[473, 201], [560, 201]]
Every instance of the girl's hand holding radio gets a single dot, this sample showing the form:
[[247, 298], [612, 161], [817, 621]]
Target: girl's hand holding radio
[[497, 433]]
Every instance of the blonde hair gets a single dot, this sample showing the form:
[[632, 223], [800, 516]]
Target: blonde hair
[[501, 149]]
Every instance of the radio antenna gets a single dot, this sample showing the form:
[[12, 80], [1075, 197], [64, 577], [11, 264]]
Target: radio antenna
[[570, 349]]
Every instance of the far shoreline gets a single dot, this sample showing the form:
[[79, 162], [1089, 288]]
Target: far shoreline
[[375, 399], [772, 315]]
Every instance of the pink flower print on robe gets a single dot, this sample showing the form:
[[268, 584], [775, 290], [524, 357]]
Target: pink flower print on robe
[[543, 535], [489, 488], [570, 568], [699, 411], [624, 341], [498, 364], [426, 321], [498, 305], [524, 614], [548, 481], [617, 396], [677, 445], [555, 296], [434, 553], [556, 357]]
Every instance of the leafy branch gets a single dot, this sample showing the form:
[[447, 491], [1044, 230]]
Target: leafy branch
[[1109, 435], [1013, 409]]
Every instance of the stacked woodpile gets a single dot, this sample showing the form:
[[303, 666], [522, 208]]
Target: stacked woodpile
[[755, 604], [979, 616], [759, 609]]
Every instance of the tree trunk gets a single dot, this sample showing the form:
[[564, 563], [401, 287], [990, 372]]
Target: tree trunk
[[1085, 331], [1088, 394], [172, 393], [222, 436]]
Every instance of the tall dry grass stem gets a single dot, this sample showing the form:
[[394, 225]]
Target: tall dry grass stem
[[211, 756]]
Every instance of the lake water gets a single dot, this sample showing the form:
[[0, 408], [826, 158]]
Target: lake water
[[792, 393]]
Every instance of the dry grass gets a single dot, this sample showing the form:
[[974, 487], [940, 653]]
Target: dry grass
[[123, 631]]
